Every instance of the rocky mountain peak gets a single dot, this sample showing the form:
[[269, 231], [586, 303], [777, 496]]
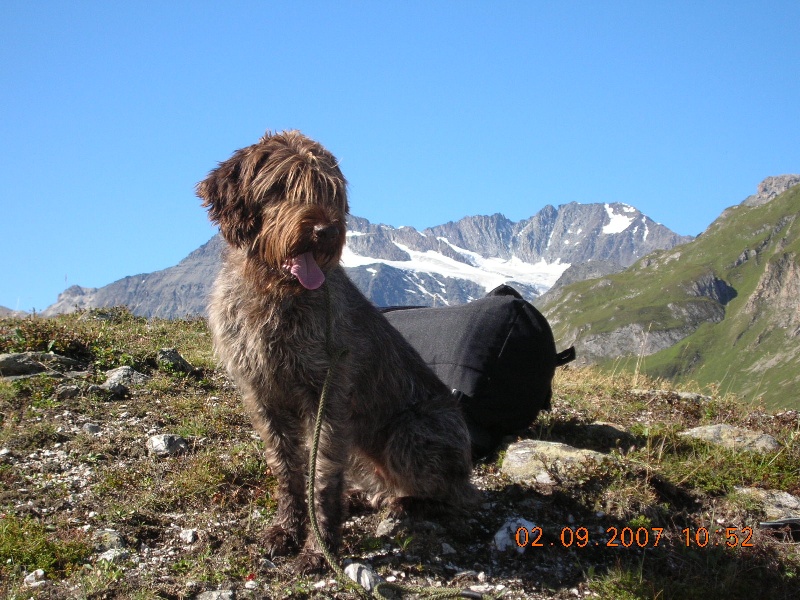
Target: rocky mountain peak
[[723, 307], [770, 188], [446, 264]]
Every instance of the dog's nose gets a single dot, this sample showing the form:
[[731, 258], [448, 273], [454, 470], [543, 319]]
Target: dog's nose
[[326, 233]]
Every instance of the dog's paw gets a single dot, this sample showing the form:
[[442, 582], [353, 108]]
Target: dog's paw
[[279, 542], [310, 561], [358, 502], [405, 507], [413, 508]]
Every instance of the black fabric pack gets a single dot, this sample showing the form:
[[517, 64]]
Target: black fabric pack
[[497, 353]]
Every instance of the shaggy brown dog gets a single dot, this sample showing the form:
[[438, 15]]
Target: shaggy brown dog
[[391, 426]]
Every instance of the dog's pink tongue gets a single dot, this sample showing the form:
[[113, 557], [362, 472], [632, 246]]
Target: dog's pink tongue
[[307, 271]]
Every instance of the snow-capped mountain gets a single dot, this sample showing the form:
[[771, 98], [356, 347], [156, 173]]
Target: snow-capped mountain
[[447, 264]]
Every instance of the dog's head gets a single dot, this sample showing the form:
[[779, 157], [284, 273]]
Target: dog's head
[[284, 200]]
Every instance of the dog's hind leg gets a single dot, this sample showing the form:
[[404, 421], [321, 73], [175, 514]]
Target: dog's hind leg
[[428, 455]]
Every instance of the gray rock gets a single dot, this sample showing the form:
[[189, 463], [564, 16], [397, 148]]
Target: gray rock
[[770, 188], [166, 444], [217, 595], [171, 359], [117, 390], [387, 528], [65, 392], [31, 363], [776, 504], [120, 379], [530, 461], [266, 563], [506, 537], [363, 575], [108, 539], [188, 536], [734, 438], [35, 579], [126, 376], [91, 428], [113, 556]]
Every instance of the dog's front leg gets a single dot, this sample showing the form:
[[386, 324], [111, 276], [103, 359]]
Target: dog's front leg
[[332, 455], [283, 434]]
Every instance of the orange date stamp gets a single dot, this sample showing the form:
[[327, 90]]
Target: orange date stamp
[[639, 537]]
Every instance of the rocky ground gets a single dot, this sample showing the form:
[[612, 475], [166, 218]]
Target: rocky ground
[[147, 482]]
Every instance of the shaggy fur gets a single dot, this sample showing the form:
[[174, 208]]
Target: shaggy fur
[[391, 426]]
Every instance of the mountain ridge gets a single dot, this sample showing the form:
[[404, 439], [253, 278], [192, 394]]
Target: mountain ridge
[[451, 263], [722, 309]]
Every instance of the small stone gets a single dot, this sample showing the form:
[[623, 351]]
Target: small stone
[[481, 589], [115, 555], [171, 360], [735, 438], [109, 539], [447, 548], [119, 380], [65, 392], [35, 579], [506, 537], [251, 584], [166, 444], [387, 527], [117, 389], [363, 575], [91, 428], [217, 595], [266, 563], [188, 535]]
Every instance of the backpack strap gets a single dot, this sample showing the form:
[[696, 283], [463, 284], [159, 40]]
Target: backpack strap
[[565, 356]]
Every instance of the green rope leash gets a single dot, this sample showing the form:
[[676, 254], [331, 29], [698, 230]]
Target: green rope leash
[[434, 593]]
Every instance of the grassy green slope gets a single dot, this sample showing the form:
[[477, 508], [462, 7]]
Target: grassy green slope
[[748, 352]]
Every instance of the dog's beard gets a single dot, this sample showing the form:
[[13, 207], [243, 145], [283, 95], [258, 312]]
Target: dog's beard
[[305, 269]]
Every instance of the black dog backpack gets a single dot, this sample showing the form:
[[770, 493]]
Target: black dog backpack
[[496, 353]]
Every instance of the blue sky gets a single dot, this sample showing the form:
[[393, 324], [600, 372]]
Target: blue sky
[[112, 111]]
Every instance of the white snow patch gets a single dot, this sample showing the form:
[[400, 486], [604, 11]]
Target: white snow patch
[[616, 223], [355, 233], [486, 272]]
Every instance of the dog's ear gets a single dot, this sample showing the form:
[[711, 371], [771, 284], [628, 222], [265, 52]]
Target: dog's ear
[[228, 203]]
